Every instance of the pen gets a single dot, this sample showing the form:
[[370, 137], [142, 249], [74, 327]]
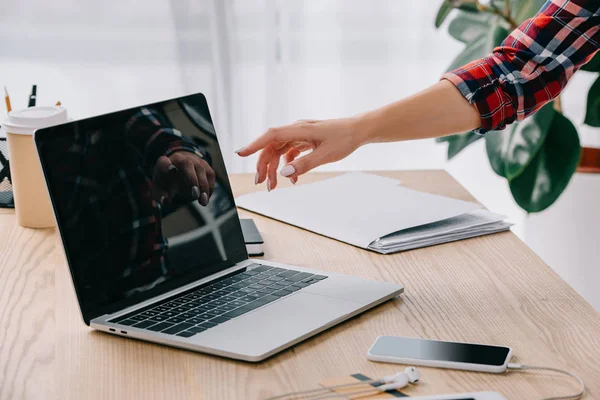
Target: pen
[[32, 96], [7, 100]]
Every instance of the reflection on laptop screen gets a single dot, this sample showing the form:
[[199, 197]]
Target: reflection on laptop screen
[[142, 200]]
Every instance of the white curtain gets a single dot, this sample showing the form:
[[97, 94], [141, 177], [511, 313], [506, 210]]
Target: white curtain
[[259, 62]]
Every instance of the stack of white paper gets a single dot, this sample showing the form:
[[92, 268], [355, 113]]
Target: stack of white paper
[[374, 212]]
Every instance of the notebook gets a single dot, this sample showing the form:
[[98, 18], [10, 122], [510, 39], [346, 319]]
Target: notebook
[[374, 212]]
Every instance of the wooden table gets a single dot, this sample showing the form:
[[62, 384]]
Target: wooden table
[[490, 290]]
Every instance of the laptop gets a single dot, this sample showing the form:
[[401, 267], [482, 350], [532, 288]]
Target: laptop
[[154, 244]]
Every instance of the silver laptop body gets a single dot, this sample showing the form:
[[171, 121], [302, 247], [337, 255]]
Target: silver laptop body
[[192, 279]]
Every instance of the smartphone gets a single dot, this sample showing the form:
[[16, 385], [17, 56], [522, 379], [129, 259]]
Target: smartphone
[[434, 353], [463, 396]]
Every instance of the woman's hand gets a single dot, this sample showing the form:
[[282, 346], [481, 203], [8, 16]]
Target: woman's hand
[[328, 141], [185, 175]]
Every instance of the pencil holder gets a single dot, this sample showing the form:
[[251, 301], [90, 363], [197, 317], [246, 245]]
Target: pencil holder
[[6, 193]]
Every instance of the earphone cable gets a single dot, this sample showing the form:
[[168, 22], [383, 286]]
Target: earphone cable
[[315, 392], [522, 367]]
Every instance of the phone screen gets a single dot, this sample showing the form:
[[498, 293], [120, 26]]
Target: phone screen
[[423, 349]]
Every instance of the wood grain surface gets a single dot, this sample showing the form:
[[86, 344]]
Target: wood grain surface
[[492, 289]]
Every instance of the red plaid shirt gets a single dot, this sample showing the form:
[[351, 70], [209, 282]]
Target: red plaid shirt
[[533, 64]]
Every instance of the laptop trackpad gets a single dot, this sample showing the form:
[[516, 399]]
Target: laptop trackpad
[[266, 329]]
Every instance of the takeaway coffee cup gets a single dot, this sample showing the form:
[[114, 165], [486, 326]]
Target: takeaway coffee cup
[[32, 202]]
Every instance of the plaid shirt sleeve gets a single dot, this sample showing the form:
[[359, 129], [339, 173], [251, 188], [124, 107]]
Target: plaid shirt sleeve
[[533, 64]]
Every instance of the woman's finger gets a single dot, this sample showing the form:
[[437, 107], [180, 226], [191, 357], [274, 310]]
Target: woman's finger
[[262, 164], [272, 136], [189, 179], [288, 158], [305, 163], [202, 184], [163, 179], [272, 172]]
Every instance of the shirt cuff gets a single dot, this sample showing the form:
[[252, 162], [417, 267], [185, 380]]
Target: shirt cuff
[[477, 83]]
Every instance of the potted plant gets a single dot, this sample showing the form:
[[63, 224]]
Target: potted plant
[[539, 155]]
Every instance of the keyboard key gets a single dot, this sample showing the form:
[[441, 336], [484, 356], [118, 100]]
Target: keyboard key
[[256, 295], [177, 328], [247, 290], [193, 296], [259, 267], [250, 306], [216, 303], [160, 327], [210, 314], [252, 272], [282, 293], [237, 286], [300, 284], [186, 334], [186, 306], [292, 288], [238, 294], [226, 307], [277, 269], [128, 322], [149, 313], [204, 308], [178, 302], [145, 324], [277, 286], [196, 320], [179, 310], [209, 297], [251, 281], [159, 318], [238, 303], [169, 314], [266, 290], [256, 286], [176, 320], [288, 273], [275, 278], [219, 320], [161, 309], [196, 329], [137, 318], [227, 298], [186, 315], [248, 299], [207, 325], [319, 277], [224, 292], [299, 277]]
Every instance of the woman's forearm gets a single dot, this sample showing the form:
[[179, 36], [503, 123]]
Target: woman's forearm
[[437, 111]]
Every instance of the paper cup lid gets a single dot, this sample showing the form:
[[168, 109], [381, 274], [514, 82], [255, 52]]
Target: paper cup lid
[[27, 120]]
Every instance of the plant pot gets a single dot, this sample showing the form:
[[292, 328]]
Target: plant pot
[[590, 160]]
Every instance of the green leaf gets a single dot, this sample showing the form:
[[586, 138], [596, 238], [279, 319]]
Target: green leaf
[[481, 45], [466, 27], [470, 7], [524, 9], [443, 12], [511, 150], [593, 65], [592, 113], [456, 143], [548, 174]]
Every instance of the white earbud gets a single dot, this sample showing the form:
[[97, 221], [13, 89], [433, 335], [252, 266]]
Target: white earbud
[[400, 379], [413, 374]]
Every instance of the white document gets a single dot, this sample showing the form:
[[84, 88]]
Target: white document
[[356, 208]]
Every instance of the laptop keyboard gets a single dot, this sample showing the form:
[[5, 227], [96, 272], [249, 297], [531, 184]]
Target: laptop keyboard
[[203, 308]]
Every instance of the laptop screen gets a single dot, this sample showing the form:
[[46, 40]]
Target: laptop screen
[[142, 200]]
